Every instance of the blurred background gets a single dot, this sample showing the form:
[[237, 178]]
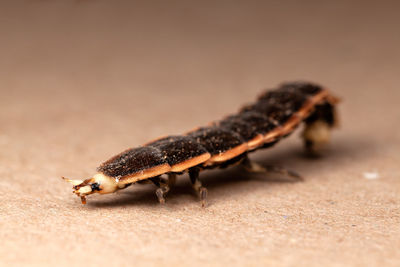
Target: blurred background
[[97, 68], [83, 80]]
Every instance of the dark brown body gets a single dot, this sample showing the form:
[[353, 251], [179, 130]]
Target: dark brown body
[[272, 117]]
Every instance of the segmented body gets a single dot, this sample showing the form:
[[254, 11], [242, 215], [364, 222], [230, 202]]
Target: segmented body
[[274, 115]]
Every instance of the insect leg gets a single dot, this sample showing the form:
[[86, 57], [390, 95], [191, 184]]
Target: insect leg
[[254, 167], [171, 179], [162, 189], [197, 185], [282, 170]]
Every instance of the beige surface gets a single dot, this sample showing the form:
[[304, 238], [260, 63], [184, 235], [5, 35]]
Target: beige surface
[[84, 80]]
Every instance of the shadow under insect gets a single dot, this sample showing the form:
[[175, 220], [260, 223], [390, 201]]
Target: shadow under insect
[[232, 180]]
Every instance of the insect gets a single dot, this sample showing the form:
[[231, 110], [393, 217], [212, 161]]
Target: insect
[[274, 115]]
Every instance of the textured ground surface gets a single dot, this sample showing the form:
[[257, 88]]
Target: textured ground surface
[[84, 80]]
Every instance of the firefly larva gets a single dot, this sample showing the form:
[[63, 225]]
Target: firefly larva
[[274, 115]]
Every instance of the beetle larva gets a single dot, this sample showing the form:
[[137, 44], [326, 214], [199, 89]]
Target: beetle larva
[[274, 115]]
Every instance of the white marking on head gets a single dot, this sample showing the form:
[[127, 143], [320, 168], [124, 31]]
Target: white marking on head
[[107, 184], [99, 183]]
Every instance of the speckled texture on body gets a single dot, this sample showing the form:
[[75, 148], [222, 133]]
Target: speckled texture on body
[[216, 140], [177, 149], [281, 104], [132, 161]]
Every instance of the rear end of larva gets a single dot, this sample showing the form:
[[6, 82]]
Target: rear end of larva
[[274, 115]]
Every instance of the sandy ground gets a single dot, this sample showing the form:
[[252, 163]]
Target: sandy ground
[[81, 81]]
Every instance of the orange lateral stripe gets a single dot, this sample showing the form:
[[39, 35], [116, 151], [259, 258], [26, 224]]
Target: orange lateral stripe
[[255, 142], [227, 155], [190, 163], [291, 124], [152, 172]]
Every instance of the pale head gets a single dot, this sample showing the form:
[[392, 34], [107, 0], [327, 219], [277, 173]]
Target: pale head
[[99, 183]]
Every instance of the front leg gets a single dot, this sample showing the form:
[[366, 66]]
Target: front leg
[[162, 188], [197, 185]]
